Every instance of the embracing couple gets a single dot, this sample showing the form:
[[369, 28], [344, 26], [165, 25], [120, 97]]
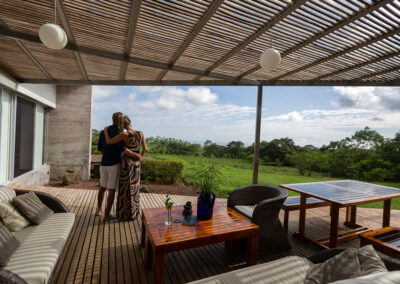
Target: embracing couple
[[120, 168]]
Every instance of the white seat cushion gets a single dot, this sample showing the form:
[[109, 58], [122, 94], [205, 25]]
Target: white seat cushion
[[6, 194], [246, 210], [287, 270], [41, 246], [392, 277]]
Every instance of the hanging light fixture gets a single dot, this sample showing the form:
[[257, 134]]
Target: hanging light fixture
[[52, 35], [270, 58]]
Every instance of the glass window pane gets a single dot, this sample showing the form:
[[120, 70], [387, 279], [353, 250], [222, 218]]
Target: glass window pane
[[5, 132], [24, 134]]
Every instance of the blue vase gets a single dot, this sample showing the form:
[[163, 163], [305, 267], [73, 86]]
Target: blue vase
[[205, 205]]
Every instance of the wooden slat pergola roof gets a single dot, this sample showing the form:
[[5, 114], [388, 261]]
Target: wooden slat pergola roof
[[204, 42]]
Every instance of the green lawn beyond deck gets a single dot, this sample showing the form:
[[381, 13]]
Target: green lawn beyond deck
[[237, 173]]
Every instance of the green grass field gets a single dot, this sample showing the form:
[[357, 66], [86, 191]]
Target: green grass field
[[237, 173]]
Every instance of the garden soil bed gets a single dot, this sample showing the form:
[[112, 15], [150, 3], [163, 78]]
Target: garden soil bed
[[176, 189]]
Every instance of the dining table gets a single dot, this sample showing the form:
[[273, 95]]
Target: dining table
[[339, 194]]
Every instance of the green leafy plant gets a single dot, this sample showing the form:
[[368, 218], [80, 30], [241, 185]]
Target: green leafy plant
[[208, 177], [168, 202]]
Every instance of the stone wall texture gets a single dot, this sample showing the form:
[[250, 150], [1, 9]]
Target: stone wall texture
[[70, 132]]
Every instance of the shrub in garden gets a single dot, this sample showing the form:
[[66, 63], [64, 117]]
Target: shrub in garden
[[161, 169]]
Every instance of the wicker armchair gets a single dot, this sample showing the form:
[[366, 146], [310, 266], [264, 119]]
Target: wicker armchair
[[261, 204]]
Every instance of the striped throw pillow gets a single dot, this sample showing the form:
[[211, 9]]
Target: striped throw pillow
[[31, 206], [6, 193], [12, 218], [8, 244]]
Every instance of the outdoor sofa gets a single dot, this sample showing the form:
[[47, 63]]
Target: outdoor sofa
[[40, 245], [293, 270]]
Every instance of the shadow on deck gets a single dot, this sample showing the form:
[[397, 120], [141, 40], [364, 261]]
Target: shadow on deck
[[98, 252]]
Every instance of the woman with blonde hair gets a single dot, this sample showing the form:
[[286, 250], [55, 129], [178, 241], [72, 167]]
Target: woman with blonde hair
[[129, 179]]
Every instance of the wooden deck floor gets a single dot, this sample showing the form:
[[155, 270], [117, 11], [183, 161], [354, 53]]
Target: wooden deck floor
[[98, 252]]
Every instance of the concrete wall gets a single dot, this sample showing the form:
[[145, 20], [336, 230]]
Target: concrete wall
[[46, 91], [70, 132], [37, 176]]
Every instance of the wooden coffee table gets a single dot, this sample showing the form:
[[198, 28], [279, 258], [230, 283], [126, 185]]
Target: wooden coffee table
[[159, 239], [385, 240]]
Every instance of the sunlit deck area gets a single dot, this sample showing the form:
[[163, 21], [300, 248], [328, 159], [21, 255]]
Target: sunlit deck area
[[98, 252]]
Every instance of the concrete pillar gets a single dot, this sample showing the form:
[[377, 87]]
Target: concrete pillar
[[70, 132]]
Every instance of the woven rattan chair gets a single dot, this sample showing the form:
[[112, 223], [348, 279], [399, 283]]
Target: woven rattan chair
[[261, 204]]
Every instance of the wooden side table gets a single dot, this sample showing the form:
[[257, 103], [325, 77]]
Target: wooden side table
[[385, 240]]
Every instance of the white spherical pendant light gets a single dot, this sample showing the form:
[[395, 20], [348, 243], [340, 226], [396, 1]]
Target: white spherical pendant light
[[53, 36], [270, 59]]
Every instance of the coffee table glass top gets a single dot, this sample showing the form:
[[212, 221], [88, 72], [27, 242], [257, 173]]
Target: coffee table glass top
[[344, 191], [224, 221]]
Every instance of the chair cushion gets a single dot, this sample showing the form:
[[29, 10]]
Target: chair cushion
[[12, 218], [31, 206], [288, 270], [41, 246], [8, 244], [392, 277], [246, 210], [6, 194]]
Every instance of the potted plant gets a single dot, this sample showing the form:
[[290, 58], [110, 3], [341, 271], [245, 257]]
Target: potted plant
[[208, 179]]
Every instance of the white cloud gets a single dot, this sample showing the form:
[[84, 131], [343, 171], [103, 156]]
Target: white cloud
[[132, 96], [291, 116], [101, 92], [382, 98]]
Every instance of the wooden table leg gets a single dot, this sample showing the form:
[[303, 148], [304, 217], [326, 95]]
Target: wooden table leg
[[351, 216], [149, 251], [143, 239], [386, 212], [333, 240], [158, 271], [302, 219], [251, 249]]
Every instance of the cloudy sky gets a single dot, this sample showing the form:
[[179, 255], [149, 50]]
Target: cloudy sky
[[308, 115]]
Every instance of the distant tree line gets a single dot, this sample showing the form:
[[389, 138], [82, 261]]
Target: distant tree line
[[366, 155]]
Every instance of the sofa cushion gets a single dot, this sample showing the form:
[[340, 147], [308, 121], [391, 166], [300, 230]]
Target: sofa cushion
[[12, 218], [40, 248], [288, 270], [342, 266], [6, 194], [31, 206], [246, 210], [370, 261], [392, 277], [8, 244]]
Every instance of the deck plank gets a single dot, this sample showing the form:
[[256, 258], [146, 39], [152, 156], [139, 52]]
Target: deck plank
[[110, 252]]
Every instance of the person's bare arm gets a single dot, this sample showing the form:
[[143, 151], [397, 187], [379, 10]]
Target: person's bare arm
[[115, 139], [144, 150], [129, 153]]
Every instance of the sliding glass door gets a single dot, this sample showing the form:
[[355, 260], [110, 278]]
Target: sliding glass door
[[24, 137]]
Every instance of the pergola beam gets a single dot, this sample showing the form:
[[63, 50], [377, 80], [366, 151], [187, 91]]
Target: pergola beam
[[67, 27], [27, 51], [386, 71], [256, 35], [133, 19], [387, 56], [393, 83], [200, 25], [131, 59], [338, 54], [332, 29]]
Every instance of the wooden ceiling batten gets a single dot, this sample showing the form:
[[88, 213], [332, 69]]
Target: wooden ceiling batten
[[332, 29], [67, 27], [27, 52], [204, 20], [255, 35], [133, 19], [338, 54], [390, 55]]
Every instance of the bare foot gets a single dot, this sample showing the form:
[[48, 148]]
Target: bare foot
[[99, 212], [109, 218]]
